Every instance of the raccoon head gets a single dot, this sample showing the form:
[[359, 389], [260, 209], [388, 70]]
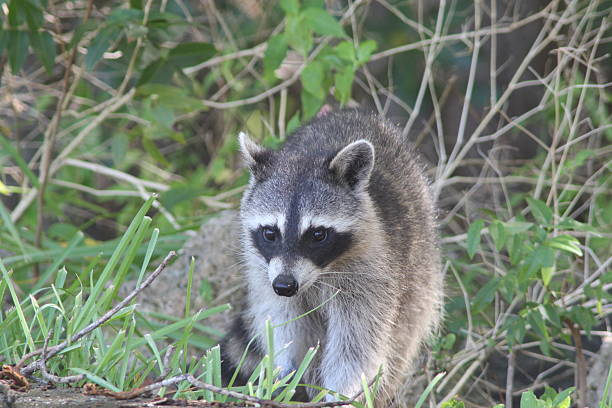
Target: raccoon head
[[302, 211]]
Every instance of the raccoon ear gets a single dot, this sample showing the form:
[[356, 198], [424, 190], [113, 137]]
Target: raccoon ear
[[353, 164], [251, 151]]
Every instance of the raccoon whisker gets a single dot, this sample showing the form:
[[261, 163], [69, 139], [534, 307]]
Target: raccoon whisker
[[326, 284], [342, 273]]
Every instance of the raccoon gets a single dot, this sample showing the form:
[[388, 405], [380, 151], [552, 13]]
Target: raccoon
[[340, 222]]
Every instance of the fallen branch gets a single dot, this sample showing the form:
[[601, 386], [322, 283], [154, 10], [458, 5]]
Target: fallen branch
[[91, 389], [54, 378]]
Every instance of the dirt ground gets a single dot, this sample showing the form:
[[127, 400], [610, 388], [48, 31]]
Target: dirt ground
[[39, 397]]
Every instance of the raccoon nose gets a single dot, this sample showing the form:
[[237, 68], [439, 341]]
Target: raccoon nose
[[285, 285]]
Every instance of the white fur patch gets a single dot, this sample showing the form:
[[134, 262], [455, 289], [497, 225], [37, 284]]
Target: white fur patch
[[255, 221], [275, 267], [338, 223]]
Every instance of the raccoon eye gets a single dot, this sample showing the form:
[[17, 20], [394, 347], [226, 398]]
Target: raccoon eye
[[319, 235], [269, 234]]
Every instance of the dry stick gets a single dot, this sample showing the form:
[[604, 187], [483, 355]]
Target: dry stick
[[56, 349], [407, 21], [54, 378], [484, 354], [49, 141], [581, 367], [440, 103], [574, 125], [429, 59], [559, 127], [542, 41], [461, 36], [166, 361], [510, 378], [218, 390], [467, 100]]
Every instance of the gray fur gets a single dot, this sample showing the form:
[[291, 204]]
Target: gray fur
[[351, 171]]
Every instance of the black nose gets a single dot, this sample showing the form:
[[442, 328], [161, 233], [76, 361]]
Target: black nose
[[285, 285]]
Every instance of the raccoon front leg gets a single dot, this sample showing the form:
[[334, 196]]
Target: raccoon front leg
[[288, 337], [354, 346]]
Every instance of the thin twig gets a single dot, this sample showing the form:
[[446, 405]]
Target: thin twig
[[218, 390], [28, 370], [510, 378], [54, 378]]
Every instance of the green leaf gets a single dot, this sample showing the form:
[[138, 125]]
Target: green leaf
[[346, 51], [547, 274], [563, 400], [541, 212], [152, 149], [171, 97], [365, 50], [572, 224], [95, 379], [449, 341], [428, 389], [100, 44], [299, 35], [486, 294], [515, 248], [516, 227], [179, 194], [314, 3], [312, 79], [274, 55], [191, 53], [536, 320], [33, 14], [453, 403], [15, 15], [10, 148], [290, 6], [17, 49], [498, 233], [473, 237], [44, 48], [515, 328], [293, 124], [158, 71], [584, 317], [546, 260], [322, 23], [343, 82], [4, 190], [551, 312], [529, 400], [119, 148], [565, 243], [121, 16], [310, 105]]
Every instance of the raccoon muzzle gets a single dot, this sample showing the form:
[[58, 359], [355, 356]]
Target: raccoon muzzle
[[285, 285]]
